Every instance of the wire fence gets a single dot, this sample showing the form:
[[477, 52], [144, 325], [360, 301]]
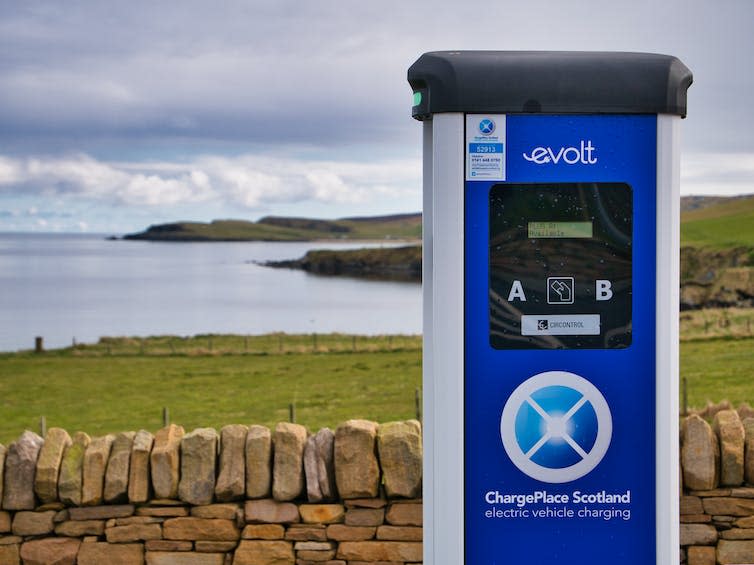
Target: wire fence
[[717, 322], [214, 344]]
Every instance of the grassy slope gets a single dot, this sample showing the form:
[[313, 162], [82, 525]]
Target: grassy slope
[[728, 223]]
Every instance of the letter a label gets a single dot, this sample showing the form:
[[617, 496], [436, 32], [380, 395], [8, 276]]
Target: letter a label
[[517, 292]]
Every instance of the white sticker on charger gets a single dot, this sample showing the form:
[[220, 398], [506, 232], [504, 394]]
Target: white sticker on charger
[[485, 147]]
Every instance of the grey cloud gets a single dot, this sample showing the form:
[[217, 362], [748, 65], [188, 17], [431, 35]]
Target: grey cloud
[[247, 182], [195, 71], [330, 72], [717, 173]]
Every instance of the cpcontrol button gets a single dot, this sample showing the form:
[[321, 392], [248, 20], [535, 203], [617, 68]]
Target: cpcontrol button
[[560, 324]]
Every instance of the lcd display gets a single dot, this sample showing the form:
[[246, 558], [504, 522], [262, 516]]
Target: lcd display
[[560, 229], [560, 260]]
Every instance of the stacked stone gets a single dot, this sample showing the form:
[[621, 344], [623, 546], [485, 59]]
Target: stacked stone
[[717, 509], [372, 530], [247, 495]]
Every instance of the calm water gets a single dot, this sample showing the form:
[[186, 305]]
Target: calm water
[[66, 287]]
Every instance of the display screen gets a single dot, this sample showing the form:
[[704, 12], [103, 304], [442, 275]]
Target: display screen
[[560, 259], [560, 229]]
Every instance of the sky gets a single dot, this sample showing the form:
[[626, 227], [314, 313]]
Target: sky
[[118, 115]]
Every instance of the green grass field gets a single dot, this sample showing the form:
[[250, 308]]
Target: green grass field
[[114, 387]]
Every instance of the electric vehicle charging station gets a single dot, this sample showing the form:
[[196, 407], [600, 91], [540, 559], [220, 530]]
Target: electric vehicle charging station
[[551, 277]]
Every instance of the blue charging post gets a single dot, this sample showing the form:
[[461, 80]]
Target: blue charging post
[[551, 274]]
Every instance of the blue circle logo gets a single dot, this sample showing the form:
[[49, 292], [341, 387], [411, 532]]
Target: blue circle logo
[[486, 126], [556, 427]]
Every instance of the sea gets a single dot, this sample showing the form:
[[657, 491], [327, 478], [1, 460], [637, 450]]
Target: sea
[[78, 288]]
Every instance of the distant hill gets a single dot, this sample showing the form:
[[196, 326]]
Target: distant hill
[[689, 203], [718, 222], [280, 228]]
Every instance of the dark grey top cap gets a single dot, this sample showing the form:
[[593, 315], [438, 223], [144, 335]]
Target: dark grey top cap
[[548, 82]]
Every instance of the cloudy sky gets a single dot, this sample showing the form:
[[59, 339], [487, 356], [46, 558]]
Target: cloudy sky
[[116, 115]]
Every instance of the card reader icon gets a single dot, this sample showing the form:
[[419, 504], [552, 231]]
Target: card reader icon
[[560, 290]]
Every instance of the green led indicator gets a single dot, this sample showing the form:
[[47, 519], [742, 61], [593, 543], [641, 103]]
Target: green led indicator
[[417, 98]]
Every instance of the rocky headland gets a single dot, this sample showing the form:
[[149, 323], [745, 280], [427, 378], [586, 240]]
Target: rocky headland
[[383, 263]]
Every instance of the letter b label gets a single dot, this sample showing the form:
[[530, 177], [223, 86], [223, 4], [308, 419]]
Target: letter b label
[[603, 290]]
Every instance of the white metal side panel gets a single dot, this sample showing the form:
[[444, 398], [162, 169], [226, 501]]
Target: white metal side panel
[[668, 273], [443, 341], [428, 395]]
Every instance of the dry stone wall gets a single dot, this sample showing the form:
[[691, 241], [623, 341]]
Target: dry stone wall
[[243, 496], [717, 502], [256, 496]]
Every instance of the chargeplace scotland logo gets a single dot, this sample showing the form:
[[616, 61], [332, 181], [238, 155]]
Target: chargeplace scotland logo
[[556, 427], [486, 126]]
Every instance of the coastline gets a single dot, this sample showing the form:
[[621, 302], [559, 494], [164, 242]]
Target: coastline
[[280, 228]]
